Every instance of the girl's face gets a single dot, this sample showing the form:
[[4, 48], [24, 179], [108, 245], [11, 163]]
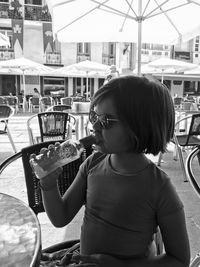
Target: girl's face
[[112, 139]]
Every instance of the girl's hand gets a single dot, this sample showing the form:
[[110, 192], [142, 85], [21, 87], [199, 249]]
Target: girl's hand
[[94, 260], [46, 162]]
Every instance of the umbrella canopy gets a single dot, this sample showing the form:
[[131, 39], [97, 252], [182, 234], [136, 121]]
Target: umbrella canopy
[[86, 68], [4, 40], [24, 67], [81, 69], [167, 65], [148, 21]]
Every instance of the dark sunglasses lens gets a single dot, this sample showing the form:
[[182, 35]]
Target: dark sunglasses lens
[[104, 122], [93, 117]]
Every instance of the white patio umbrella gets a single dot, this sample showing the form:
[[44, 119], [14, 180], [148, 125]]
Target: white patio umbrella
[[147, 21], [24, 67], [170, 65], [84, 68]]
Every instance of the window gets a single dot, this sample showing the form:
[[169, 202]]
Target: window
[[189, 86], [83, 48], [157, 47], [7, 32], [177, 82], [157, 53], [4, 1], [196, 55], [33, 2], [146, 46], [111, 49]]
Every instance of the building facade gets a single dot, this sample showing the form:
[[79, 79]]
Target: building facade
[[28, 25]]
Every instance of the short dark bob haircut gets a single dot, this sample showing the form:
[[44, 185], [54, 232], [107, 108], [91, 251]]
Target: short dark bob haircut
[[144, 107]]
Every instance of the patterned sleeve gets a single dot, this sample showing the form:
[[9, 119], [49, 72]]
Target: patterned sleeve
[[168, 200]]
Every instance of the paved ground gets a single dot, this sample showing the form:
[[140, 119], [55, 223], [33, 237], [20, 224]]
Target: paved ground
[[12, 182]]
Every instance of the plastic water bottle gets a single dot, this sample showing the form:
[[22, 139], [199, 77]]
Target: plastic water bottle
[[59, 155]]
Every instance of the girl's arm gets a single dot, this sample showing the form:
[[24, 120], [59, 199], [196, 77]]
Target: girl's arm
[[61, 210], [175, 238]]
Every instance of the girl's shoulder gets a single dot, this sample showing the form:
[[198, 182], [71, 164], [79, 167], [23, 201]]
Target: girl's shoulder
[[93, 160]]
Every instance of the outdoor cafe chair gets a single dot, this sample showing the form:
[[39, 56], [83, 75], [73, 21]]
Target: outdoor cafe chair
[[52, 125], [12, 101], [34, 103], [3, 100], [193, 173], [6, 112], [186, 137], [45, 102], [34, 196]]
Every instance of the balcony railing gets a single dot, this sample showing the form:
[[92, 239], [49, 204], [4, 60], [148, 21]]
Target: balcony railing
[[36, 13], [53, 58], [31, 12]]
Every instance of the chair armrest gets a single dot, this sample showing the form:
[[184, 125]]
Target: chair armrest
[[9, 160]]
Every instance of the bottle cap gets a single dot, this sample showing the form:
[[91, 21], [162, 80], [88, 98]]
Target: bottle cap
[[88, 141]]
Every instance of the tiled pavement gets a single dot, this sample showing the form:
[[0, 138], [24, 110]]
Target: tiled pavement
[[11, 182]]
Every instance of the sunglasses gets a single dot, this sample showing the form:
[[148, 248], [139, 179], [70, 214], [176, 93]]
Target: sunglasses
[[104, 119]]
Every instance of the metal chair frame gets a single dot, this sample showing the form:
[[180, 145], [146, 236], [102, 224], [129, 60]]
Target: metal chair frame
[[66, 132], [6, 112], [191, 177], [186, 138]]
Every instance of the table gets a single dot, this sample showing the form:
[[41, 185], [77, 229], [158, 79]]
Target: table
[[20, 236]]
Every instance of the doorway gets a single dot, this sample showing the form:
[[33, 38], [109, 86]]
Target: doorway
[[8, 85]]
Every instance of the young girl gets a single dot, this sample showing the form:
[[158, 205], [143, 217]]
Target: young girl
[[126, 196]]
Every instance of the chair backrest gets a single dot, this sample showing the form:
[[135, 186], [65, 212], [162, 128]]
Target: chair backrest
[[33, 190], [53, 124], [66, 101], [193, 169], [46, 100], [12, 100], [3, 100], [35, 101], [187, 105], [61, 107], [194, 129], [5, 111]]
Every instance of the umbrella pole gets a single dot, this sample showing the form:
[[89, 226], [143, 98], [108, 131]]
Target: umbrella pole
[[139, 36], [87, 85], [162, 77], [24, 99]]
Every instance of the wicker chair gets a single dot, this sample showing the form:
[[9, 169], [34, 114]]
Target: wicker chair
[[45, 103], [33, 190], [193, 173], [52, 125]]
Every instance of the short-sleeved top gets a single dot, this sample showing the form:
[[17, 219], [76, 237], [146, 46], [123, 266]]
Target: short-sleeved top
[[122, 211]]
